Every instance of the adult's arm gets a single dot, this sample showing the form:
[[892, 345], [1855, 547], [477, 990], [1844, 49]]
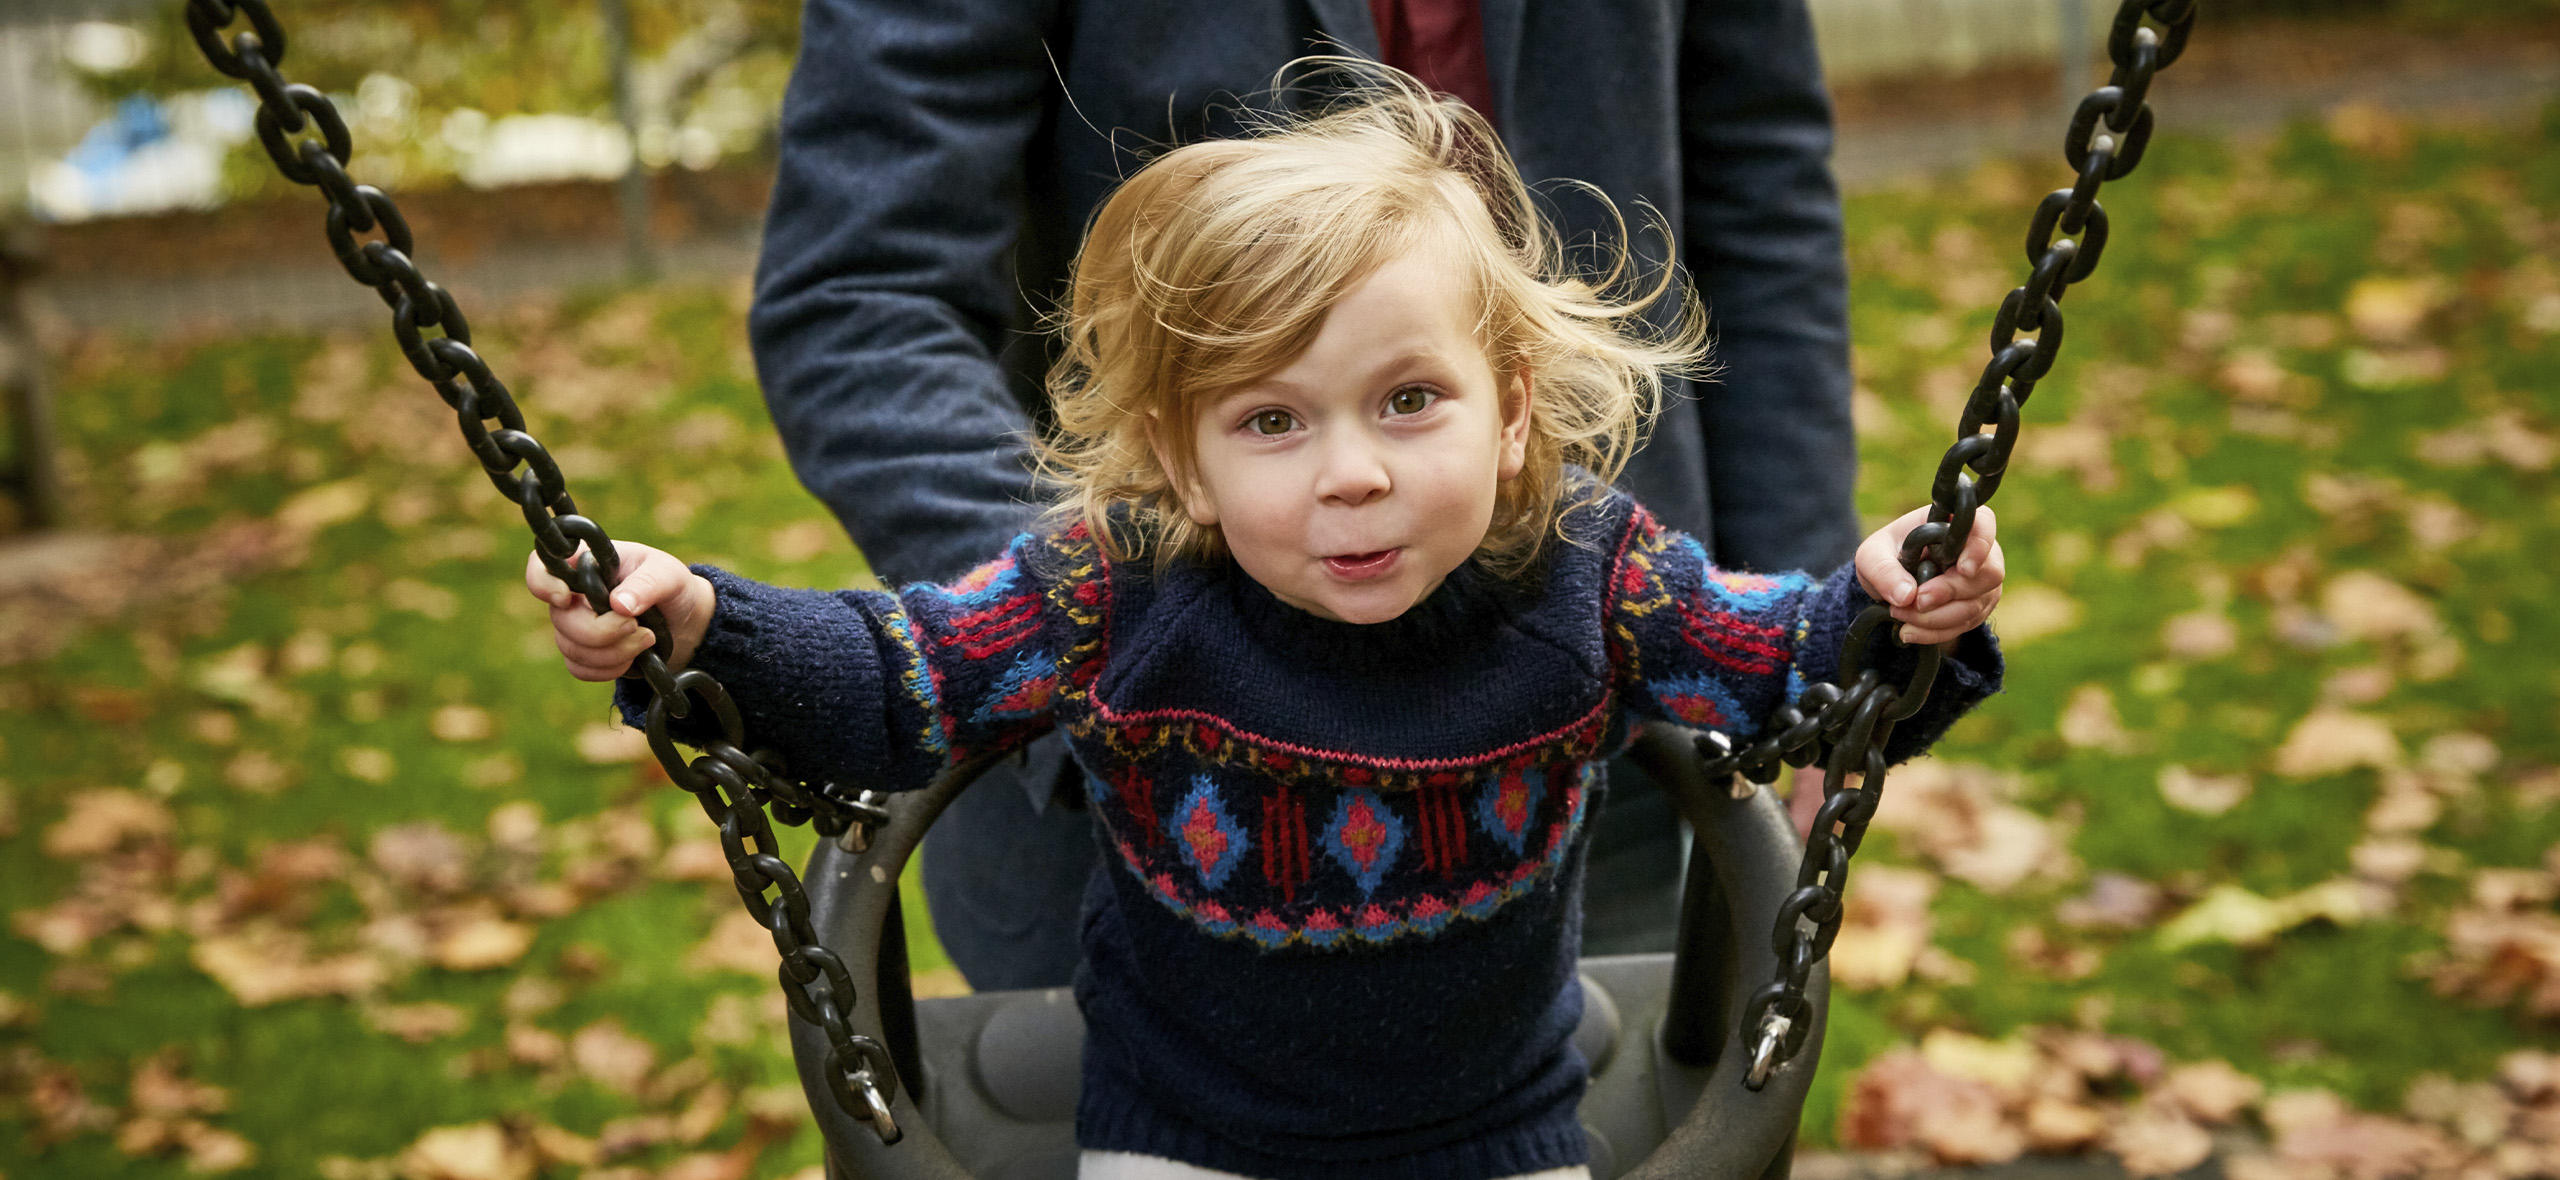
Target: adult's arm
[[1761, 218], [885, 290]]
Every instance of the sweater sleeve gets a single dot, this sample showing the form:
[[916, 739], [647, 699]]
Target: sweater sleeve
[[883, 691], [1722, 650]]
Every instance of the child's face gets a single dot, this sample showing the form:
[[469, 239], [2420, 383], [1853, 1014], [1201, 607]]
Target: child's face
[[1352, 481]]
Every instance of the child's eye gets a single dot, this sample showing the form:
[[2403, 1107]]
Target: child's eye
[[1412, 399], [1271, 422]]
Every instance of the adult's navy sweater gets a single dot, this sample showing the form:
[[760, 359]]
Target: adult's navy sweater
[[1335, 931]]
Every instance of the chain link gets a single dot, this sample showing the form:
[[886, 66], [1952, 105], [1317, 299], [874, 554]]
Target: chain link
[[1846, 725], [306, 137]]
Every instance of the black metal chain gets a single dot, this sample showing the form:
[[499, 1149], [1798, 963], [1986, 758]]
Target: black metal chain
[[307, 138], [1848, 723]]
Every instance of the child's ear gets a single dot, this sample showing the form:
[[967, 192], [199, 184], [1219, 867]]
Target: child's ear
[[1515, 427], [1196, 503]]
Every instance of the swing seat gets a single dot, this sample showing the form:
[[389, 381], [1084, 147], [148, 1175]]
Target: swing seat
[[988, 1081]]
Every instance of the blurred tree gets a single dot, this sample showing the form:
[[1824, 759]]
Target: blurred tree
[[427, 75]]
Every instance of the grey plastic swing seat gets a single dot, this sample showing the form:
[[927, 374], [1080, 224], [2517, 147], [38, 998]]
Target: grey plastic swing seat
[[989, 1081]]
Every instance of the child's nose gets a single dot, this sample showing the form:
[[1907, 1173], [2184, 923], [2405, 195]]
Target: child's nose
[[1353, 473]]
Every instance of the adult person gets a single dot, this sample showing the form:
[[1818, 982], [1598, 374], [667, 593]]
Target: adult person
[[939, 163]]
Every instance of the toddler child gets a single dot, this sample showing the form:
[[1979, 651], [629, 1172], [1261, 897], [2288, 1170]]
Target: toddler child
[[1341, 616]]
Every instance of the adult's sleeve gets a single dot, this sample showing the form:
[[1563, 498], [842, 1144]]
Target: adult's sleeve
[[1761, 217], [885, 288]]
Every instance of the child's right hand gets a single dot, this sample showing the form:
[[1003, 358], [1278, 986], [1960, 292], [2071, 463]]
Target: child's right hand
[[601, 647]]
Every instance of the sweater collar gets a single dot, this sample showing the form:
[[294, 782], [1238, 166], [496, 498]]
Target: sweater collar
[[1468, 607]]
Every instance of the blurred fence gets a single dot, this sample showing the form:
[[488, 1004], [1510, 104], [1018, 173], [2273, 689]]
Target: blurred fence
[[66, 156], [1877, 38]]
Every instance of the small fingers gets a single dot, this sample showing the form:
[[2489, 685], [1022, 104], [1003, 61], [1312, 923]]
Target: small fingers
[[1948, 620], [1981, 542], [576, 624], [604, 661], [1879, 562], [539, 580], [649, 577]]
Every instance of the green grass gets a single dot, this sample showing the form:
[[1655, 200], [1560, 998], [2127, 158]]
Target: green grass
[[357, 634]]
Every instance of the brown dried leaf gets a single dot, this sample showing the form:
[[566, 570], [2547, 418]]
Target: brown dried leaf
[[2055, 1125], [2030, 611], [1883, 930], [101, 820], [702, 1115], [161, 1089], [2210, 1091], [2358, 1146], [67, 927], [695, 860], [2033, 950], [2005, 1066], [1958, 815], [2200, 635], [2493, 957], [2089, 720], [475, 1151], [2202, 794], [533, 1045], [517, 827], [62, 1107], [2513, 889], [2366, 605], [212, 1150], [2477, 1113], [532, 995], [461, 723], [259, 772], [711, 1165], [425, 856], [262, 965], [603, 744], [2332, 741], [303, 862], [557, 1147], [2405, 805], [2460, 754], [615, 1059], [2360, 685], [2530, 1075], [624, 1136], [2390, 860], [738, 943], [478, 940], [2155, 1140]]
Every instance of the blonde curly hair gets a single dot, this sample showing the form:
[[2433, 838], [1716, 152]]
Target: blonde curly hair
[[1213, 267]]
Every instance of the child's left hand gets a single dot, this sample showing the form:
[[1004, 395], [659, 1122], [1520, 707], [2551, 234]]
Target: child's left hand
[[1955, 601]]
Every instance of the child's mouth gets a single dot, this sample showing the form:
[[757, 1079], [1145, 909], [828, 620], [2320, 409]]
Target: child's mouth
[[1360, 567]]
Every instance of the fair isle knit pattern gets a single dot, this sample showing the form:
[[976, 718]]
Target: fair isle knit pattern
[[1283, 843], [1336, 856]]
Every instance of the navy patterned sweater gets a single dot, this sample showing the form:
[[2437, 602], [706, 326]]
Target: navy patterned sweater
[[1335, 929]]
